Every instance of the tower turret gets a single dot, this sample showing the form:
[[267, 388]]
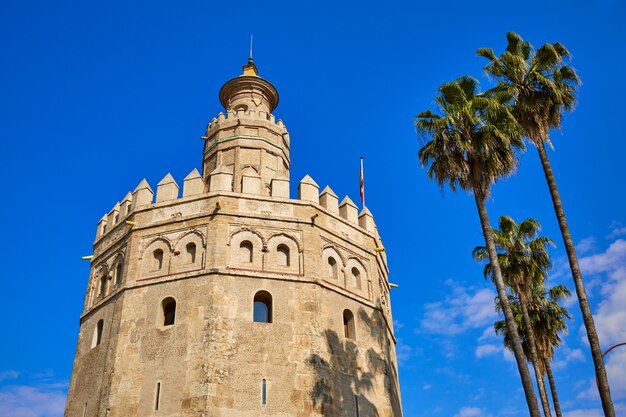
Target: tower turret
[[238, 301], [247, 142]]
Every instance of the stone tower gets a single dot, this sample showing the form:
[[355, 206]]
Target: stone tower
[[233, 299]]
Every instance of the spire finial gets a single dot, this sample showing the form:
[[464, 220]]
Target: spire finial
[[250, 59], [250, 68]]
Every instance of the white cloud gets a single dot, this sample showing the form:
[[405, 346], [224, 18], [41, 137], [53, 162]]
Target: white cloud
[[32, 401], [426, 387], [617, 231], [608, 268], [584, 413], [472, 412], [586, 245], [565, 355], [620, 410], [487, 350], [606, 261], [465, 308], [488, 333]]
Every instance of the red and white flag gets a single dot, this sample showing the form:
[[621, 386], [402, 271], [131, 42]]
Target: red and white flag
[[362, 188]]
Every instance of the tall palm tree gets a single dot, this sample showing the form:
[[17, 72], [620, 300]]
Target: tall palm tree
[[543, 88], [548, 320], [524, 262], [469, 144]]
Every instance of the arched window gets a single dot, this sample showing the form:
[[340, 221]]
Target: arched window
[[348, 325], [332, 268], [158, 260], [103, 286], [191, 253], [169, 311], [356, 278], [245, 251], [118, 274], [262, 307], [97, 334], [282, 255]]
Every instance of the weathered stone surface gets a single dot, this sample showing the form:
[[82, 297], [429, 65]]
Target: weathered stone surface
[[230, 238]]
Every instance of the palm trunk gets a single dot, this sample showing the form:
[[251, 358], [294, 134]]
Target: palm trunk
[[527, 383], [555, 396], [541, 385], [601, 378]]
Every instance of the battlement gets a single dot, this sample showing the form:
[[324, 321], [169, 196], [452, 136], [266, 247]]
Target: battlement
[[237, 115], [221, 180]]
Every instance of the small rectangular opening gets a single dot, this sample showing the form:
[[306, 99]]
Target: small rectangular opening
[[158, 396], [356, 404], [264, 392]]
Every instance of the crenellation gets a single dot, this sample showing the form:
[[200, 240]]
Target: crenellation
[[126, 205], [308, 190], [329, 200], [102, 226], [113, 216], [167, 189], [193, 184], [142, 196], [366, 220], [348, 210], [280, 187]]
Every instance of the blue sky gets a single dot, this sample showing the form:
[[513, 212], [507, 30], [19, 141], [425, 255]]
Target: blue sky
[[96, 96]]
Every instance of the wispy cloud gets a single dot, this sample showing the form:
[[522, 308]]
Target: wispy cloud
[[586, 245], [41, 396], [472, 412], [32, 401], [462, 309], [617, 231], [487, 350]]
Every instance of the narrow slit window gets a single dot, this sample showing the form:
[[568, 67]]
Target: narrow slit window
[[348, 325], [262, 307], [118, 274], [103, 286], [356, 404], [332, 268], [282, 255], [245, 251], [264, 392], [157, 397], [97, 335], [85, 410], [158, 260], [169, 311], [191, 253]]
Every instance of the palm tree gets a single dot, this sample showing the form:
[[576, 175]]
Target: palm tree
[[543, 87], [524, 262], [548, 320], [469, 144]]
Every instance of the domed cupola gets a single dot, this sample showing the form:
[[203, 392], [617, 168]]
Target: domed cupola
[[249, 91]]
